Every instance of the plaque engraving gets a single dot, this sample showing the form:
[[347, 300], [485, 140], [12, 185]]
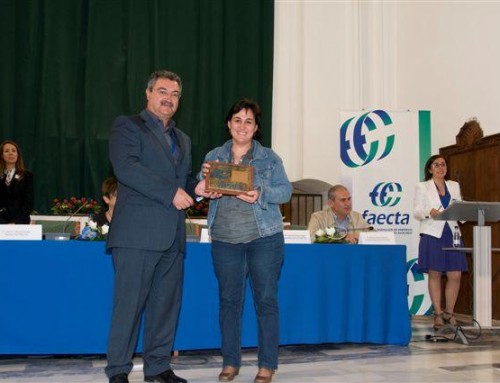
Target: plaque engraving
[[229, 179]]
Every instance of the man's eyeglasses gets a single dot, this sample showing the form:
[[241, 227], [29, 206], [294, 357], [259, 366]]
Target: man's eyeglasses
[[165, 92]]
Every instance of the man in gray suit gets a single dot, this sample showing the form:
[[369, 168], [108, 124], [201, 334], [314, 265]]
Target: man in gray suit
[[151, 159]]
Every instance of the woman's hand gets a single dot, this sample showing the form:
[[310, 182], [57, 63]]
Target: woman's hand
[[200, 190], [205, 169], [434, 212], [251, 196]]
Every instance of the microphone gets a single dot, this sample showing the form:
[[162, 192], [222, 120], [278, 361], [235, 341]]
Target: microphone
[[364, 228], [63, 236]]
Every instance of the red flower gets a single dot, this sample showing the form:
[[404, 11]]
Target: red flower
[[71, 205], [199, 209]]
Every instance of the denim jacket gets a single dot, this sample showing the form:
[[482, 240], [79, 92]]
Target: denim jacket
[[269, 179]]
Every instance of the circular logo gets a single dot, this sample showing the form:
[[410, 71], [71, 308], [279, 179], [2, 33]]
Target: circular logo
[[386, 194], [366, 138]]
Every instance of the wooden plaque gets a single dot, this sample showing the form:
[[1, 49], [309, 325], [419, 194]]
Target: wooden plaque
[[229, 179]]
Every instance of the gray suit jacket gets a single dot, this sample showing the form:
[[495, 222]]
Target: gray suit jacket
[[148, 178]]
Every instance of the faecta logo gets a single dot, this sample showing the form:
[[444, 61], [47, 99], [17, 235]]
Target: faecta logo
[[386, 194], [360, 139]]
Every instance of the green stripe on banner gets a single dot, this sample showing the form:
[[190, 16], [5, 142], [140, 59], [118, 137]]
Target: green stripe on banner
[[415, 305], [424, 138]]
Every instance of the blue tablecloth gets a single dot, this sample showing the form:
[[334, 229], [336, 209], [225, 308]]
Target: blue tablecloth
[[57, 297]]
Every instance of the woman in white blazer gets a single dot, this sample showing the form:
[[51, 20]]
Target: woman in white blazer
[[431, 197]]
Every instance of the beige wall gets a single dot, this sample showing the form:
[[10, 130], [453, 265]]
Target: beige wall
[[332, 56]]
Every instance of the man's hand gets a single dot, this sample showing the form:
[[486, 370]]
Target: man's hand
[[351, 238], [182, 200]]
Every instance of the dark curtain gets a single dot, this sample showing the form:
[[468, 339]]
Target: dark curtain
[[69, 67]]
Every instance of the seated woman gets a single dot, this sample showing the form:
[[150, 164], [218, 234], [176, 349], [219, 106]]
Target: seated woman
[[16, 186], [109, 189]]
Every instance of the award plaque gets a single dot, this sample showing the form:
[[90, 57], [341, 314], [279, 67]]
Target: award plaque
[[229, 179]]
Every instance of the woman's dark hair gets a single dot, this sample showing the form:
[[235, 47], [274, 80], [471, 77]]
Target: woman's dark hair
[[246, 104], [428, 164], [109, 186], [19, 163]]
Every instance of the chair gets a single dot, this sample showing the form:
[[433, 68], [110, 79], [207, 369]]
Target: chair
[[307, 197]]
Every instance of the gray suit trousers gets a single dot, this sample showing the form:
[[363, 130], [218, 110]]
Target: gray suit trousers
[[149, 282]]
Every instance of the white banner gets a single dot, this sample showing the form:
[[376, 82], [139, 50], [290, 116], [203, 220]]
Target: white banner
[[381, 157]]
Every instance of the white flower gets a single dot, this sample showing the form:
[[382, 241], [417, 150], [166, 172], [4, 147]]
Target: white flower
[[93, 225], [330, 231], [104, 229], [319, 233]]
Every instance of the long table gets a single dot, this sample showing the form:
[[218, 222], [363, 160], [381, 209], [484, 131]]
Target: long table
[[56, 297]]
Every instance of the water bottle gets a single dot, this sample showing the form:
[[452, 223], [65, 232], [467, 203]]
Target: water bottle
[[456, 237]]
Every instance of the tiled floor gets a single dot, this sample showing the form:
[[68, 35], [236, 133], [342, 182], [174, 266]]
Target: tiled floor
[[424, 360]]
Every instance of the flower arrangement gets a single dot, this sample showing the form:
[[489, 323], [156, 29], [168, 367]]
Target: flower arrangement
[[93, 232], [199, 209], [330, 235], [73, 205]]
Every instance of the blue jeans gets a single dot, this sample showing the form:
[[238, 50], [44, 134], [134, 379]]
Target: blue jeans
[[261, 259]]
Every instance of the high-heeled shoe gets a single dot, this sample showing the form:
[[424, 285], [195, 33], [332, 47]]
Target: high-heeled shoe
[[228, 373], [438, 321], [449, 318], [267, 378]]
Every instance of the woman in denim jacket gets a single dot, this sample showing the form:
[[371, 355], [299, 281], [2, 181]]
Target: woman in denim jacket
[[247, 237]]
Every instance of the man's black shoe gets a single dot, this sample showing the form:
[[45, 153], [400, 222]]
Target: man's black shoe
[[165, 377], [120, 378]]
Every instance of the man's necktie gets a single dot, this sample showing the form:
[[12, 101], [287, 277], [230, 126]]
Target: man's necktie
[[173, 143]]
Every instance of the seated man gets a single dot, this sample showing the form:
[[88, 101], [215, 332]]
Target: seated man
[[338, 214]]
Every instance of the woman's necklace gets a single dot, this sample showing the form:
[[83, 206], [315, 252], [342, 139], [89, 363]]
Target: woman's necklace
[[237, 158], [441, 189]]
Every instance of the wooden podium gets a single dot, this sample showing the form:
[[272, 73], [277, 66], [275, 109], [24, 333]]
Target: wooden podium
[[479, 212]]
